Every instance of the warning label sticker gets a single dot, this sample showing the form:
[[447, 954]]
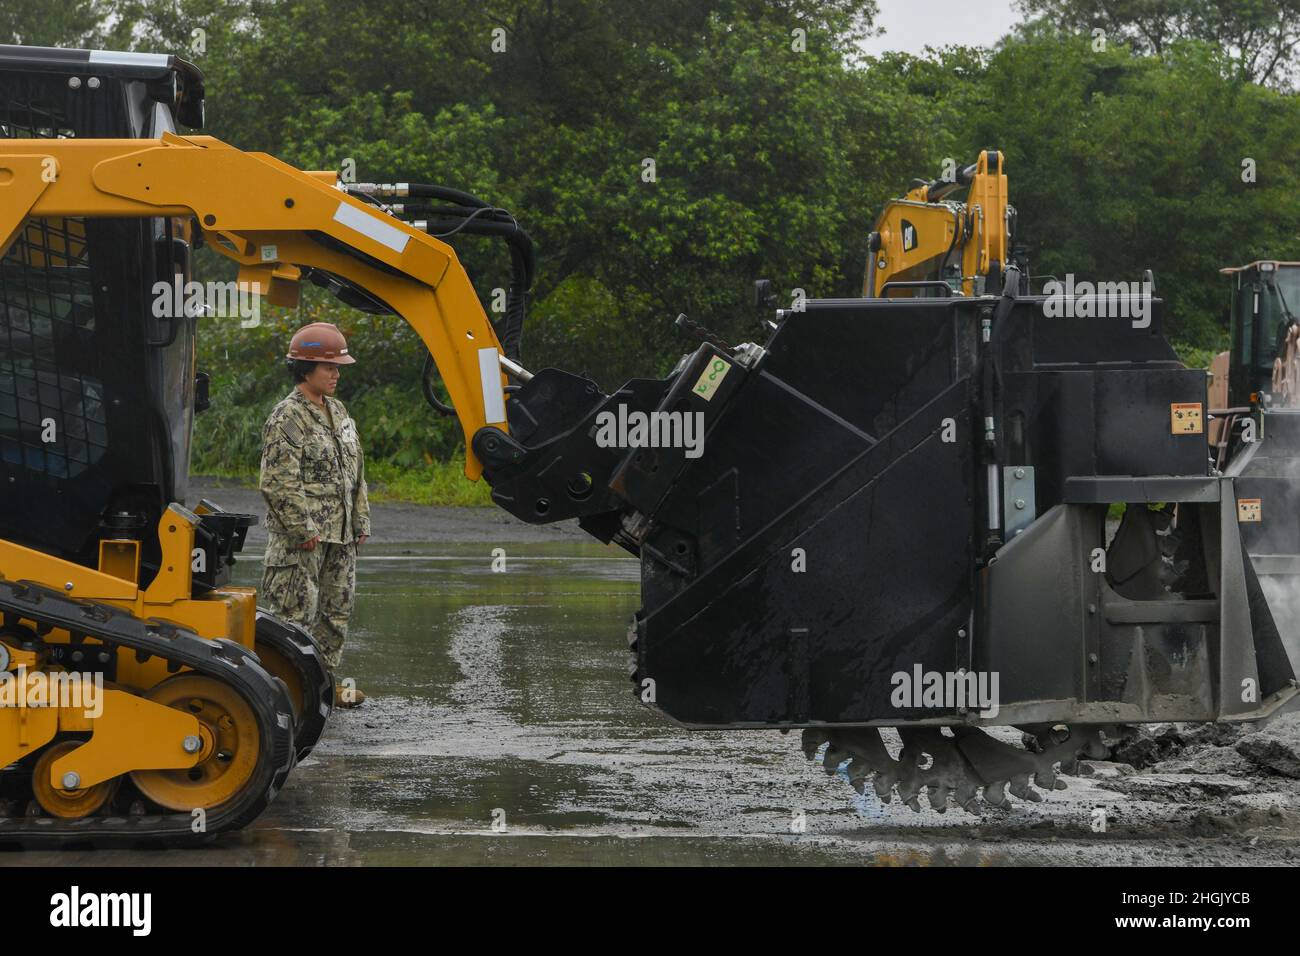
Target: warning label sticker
[[1186, 419], [711, 378]]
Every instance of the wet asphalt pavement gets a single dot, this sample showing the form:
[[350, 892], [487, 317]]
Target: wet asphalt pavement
[[502, 729]]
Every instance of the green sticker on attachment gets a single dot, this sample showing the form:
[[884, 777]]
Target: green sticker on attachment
[[711, 378]]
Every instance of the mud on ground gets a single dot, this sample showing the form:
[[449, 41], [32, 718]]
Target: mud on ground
[[503, 698]]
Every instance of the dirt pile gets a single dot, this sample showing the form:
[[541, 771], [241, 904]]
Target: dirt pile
[[1260, 749]]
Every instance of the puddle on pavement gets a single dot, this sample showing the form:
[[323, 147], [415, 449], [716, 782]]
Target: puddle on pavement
[[502, 728], [501, 700]]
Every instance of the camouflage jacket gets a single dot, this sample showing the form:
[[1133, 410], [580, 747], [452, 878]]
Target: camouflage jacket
[[313, 475]]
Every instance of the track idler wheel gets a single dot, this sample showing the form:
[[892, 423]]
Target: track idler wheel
[[229, 749], [68, 804]]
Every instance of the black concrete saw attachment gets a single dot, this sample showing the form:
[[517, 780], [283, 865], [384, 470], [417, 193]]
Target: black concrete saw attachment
[[899, 518]]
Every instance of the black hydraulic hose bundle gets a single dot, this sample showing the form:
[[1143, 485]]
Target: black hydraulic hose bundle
[[446, 193], [472, 215], [462, 212]]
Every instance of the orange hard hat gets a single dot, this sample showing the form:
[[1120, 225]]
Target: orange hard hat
[[320, 342]]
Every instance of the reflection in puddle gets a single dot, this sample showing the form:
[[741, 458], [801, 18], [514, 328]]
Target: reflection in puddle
[[503, 698]]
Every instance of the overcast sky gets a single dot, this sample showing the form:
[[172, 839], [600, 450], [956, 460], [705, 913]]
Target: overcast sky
[[911, 25]]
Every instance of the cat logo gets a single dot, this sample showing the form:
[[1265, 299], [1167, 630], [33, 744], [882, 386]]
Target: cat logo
[[909, 236]]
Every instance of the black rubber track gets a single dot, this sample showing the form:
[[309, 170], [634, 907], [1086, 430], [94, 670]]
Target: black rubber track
[[223, 660], [298, 647]]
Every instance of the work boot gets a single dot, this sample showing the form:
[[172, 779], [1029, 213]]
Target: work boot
[[354, 696]]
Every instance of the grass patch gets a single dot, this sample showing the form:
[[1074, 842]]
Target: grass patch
[[245, 478], [441, 483]]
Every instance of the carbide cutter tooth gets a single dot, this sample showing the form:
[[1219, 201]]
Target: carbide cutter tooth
[[1020, 787], [811, 741]]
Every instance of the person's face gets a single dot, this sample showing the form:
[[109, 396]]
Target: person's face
[[323, 379]]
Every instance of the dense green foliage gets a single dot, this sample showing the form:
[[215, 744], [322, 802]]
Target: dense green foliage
[[1259, 37], [774, 142]]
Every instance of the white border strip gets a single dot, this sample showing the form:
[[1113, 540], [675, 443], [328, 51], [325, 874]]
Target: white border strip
[[494, 399], [112, 58], [371, 227]]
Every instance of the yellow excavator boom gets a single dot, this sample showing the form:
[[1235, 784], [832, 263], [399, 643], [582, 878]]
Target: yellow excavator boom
[[927, 238]]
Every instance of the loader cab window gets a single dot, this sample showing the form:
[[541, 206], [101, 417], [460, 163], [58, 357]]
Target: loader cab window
[[1288, 293], [52, 415], [1263, 302], [1279, 298], [172, 355]]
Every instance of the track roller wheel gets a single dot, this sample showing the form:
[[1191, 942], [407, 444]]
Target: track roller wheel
[[230, 745], [68, 804]]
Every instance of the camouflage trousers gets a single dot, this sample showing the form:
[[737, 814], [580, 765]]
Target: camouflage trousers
[[315, 589]]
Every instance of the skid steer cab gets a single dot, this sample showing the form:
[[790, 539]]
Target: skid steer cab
[[141, 696]]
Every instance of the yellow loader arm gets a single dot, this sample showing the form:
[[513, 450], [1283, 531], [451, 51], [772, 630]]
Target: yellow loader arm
[[273, 220], [925, 238]]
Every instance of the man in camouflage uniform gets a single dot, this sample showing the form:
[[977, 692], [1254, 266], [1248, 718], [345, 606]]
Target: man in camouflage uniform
[[313, 480]]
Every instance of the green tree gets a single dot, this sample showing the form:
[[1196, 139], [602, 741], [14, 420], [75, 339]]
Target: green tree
[[774, 144], [1260, 36], [74, 23], [1119, 163]]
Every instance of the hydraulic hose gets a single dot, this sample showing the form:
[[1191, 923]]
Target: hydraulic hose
[[523, 264], [426, 386], [445, 193], [467, 214]]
